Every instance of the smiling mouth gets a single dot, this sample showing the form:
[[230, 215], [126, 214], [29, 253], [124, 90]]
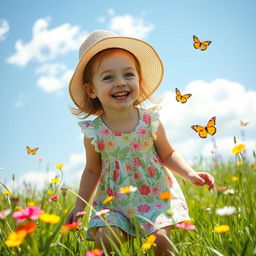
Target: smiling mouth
[[120, 95]]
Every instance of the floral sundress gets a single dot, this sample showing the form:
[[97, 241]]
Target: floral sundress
[[130, 159]]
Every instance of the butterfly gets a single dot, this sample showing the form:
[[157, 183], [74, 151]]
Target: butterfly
[[31, 151], [182, 98], [208, 129], [200, 45], [244, 123]]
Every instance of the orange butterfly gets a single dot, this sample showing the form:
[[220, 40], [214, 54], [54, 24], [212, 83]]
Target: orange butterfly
[[31, 151], [182, 98], [208, 129], [200, 45], [244, 123]]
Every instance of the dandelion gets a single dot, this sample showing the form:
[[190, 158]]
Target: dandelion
[[226, 210], [5, 213], [127, 190], [31, 212], [238, 149], [29, 228], [49, 218], [94, 252], [107, 200], [50, 192], [55, 180], [165, 196], [234, 178], [221, 228], [59, 166], [71, 226], [54, 198], [186, 225], [16, 238], [7, 192], [150, 240], [79, 214]]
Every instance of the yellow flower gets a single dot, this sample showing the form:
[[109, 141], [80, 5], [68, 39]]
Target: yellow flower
[[59, 166], [108, 199], [150, 240], [238, 149], [239, 163], [49, 218], [221, 228], [234, 178], [16, 238], [110, 145], [165, 196], [127, 190], [31, 203], [7, 192], [145, 144], [50, 192], [55, 180]]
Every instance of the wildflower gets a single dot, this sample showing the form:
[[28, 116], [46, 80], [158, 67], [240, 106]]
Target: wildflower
[[239, 163], [238, 149], [59, 166], [169, 212], [50, 192], [7, 192], [165, 196], [71, 226], [103, 213], [64, 191], [229, 191], [186, 224], [29, 228], [31, 203], [79, 214], [108, 199], [55, 180], [16, 238], [40, 159], [94, 252], [54, 198], [234, 178], [5, 213], [127, 190], [49, 218], [31, 212], [226, 210], [221, 228], [150, 240]]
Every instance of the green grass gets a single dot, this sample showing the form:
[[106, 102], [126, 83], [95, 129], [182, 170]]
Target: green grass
[[239, 240]]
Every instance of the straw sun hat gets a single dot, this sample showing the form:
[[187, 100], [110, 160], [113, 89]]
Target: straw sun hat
[[150, 63]]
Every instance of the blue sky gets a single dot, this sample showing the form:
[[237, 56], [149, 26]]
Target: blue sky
[[39, 44]]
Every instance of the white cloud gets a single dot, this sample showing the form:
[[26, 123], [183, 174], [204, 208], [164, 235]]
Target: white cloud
[[47, 44], [53, 77], [229, 101], [127, 25], [4, 28]]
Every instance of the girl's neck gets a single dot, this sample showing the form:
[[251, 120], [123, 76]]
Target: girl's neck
[[121, 121]]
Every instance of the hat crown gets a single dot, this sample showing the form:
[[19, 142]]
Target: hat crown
[[93, 38]]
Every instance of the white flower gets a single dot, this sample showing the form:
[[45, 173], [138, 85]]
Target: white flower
[[229, 191], [226, 210]]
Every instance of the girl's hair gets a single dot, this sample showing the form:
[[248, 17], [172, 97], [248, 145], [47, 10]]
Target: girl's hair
[[93, 106]]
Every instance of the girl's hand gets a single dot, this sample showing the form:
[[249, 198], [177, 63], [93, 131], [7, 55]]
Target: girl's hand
[[72, 216], [201, 179]]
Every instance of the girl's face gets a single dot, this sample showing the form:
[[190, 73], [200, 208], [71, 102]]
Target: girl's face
[[115, 80]]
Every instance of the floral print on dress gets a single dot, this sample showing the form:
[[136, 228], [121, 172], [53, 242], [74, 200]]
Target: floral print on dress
[[130, 159]]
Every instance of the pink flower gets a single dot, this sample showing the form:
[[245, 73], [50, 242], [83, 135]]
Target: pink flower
[[101, 145], [54, 198], [146, 119], [137, 162], [105, 132], [144, 189], [40, 159], [144, 208], [79, 214], [170, 181], [141, 132], [94, 252], [135, 147], [94, 203], [156, 190], [31, 212], [116, 175], [185, 225], [88, 124], [117, 133], [151, 171], [136, 176]]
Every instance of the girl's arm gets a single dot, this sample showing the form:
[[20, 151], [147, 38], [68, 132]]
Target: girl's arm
[[172, 160], [89, 179]]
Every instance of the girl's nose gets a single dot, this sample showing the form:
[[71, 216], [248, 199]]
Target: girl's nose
[[121, 82]]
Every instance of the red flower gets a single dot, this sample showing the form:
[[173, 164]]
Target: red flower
[[136, 176], [137, 162], [87, 124], [144, 189], [144, 208], [146, 119], [110, 192], [30, 227], [117, 166], [117, 133], [151, 171], [101, 145], [116, 175]]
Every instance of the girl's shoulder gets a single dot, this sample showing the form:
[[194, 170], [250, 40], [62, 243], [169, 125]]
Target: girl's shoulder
[[150, 114]]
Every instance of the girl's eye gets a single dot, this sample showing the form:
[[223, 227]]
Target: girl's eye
[[108, 77], [129, 74]]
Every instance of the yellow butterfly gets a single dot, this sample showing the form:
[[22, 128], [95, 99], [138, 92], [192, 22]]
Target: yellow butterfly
[[31, 151], [244, 123], [208, 129], [200, 45], [182, 98]]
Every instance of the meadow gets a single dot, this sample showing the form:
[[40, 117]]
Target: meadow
[[32, 222]]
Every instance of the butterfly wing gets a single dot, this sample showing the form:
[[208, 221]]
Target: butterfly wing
[[185, 97], [31, 151], [200, 130], [204, 45], [210, 128], [244, 123], [178, 95], [197, 42]]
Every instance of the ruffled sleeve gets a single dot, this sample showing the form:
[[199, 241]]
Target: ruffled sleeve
[[89, 132], [154, 116]]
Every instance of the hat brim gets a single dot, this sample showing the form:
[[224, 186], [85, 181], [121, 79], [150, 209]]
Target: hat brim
[[152, 69]]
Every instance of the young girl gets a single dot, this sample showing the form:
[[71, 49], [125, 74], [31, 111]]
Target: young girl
[[126, 146]]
